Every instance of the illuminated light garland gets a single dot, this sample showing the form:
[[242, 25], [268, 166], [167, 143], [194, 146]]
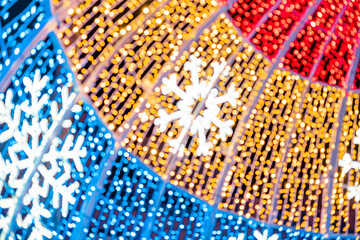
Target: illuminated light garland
[[233, 227], [217, 38], [303, 193], [251, 180], [19, 23], [345, 193], [325, 46], [119, 87], [123, 210], [271, 40], [197, 123], [36, 128], [335, 64], [180, 214], [300, 58], [247, 13], [91, 30]]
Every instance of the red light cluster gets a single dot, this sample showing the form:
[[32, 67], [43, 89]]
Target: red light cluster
[[305, 51], [326, 14], [339, 53], [299, 6], [274, 32], [247, 13], [335, 63], [349, 25], [307, 48]]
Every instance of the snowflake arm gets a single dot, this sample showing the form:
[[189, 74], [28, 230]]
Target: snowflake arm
[[170, 85], [218, 69], [354, 192], [347, 164], [264, 236], [185, 115], [357, 137], [32, 166]]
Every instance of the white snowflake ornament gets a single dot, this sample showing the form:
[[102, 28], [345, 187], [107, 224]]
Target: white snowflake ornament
[[264, 236], [44, 167], [199, 90], [354, 192], [347, 164], [357, 138]]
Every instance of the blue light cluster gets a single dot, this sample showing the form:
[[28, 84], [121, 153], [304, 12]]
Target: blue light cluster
[[20, 21], [231, 225], [180, 216], [99, 144], [119, 197], [49, 58], [126, 202]]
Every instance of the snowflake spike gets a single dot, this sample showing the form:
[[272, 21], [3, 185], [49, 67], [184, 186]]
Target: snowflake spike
[[218, 69], [28, 84], [264, 236], [2, 111], [6, 202], [241, 236], [64, 93], [194, 67], [163, 120], [44, 125], [44, 80], [54, 111], [6, 135], [9, 99], [357, 137], [76, 108], [354, 192], [41, 103], [68, 142], [345, 163]]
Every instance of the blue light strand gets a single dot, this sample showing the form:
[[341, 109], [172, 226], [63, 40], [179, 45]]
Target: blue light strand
[[19, 23], [127, 199]]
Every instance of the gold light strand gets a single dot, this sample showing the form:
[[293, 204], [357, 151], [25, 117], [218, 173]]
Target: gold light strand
[[250, 183], [303, 197], [91, 31], [138, 62], [217, 39], [345, 216]]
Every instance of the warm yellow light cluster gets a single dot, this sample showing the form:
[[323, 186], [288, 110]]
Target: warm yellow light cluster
[[155, 150], [91, 31], [137, 63], [303, 198], [199, 174], [250, 183], [345, 214]]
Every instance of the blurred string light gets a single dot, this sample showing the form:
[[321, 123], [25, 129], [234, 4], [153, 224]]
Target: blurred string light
[[345, 216], [325, 45], [111, 75], [246, 71], [20, 22], [44, 153]]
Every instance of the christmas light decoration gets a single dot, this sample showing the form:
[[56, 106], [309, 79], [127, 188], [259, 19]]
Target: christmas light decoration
[[224, 119], [199, 89]]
